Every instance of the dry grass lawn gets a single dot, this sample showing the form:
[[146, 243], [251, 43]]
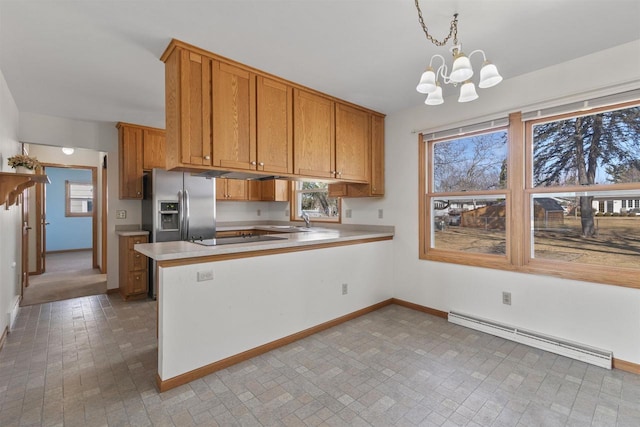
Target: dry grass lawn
[[617, 242]]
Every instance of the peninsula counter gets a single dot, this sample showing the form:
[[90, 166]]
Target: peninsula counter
[[220, 305]]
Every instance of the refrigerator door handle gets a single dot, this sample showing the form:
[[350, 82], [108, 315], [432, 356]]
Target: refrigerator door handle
[[186, 215], [181, 214]]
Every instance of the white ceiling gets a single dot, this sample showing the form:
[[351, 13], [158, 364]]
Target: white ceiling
[[99, 59]]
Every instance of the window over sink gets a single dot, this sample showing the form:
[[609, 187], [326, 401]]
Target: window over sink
[[312, 198]]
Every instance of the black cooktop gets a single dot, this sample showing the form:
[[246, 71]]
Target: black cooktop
[[234, 240]]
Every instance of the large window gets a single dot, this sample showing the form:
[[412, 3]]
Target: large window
[[554, 195], [588, 165], [312, 198], [466, 197]]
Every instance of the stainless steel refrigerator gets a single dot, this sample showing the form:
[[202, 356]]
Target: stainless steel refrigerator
[[177, 206]]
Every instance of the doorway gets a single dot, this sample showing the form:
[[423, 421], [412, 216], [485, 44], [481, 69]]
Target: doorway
[[68, 254]]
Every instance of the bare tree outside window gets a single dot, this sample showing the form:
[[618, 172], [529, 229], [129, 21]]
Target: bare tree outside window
[[586, 150], [473, 163], [313, 198]]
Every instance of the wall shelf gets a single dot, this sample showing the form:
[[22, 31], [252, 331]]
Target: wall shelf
[[13, 184]]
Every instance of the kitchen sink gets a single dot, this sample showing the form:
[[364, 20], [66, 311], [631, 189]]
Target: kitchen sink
[[289, 228]]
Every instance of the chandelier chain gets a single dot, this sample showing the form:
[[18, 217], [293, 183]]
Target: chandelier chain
[[453, 29]]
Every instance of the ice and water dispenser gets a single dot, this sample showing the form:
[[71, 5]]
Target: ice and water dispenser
[[169, 216]]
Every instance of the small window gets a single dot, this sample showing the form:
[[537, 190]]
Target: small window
[[313, 198], [79, 199]]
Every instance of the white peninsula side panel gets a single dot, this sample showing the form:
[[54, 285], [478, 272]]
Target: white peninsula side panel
[[253, 301]]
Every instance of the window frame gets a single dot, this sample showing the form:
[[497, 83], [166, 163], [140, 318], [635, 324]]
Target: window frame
[[69, 197], [613, 275], [426, 229], [293, 205], [519, 192]]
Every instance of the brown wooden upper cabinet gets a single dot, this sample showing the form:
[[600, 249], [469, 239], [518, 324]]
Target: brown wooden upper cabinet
[[375, 186], [331, 139], [273, 190], [231, 189], [314, 135], [153, 148], [353, 143], [275, 126], [130, 157], [224, 115], [234, 117], [188, 109], [140, 148]]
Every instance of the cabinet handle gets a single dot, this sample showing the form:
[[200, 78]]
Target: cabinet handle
[[253, 163], [135, 242], [138, 193], [137, 277], [138, 255], [207, 157], [261, 163]]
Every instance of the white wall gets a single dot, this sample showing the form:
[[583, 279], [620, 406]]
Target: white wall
[[253, 301], [600, 315], [10, 220], [100, 136]]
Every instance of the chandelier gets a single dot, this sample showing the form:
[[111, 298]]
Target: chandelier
[[461, 70]]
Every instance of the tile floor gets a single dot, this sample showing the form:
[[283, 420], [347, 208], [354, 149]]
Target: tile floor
[[91, 362]]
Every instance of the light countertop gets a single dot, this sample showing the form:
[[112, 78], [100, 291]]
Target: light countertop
[[133, 233], [318, 236]]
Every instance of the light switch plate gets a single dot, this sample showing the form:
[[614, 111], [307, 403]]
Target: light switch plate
[[121, 214]]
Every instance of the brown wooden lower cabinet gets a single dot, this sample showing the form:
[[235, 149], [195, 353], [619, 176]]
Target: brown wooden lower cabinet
[[133, 268]]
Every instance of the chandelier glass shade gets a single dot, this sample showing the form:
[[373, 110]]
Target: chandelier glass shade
[[461, 69]]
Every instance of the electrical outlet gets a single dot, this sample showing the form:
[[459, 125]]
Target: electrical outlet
[[380, 214], [121, 214], [205, 275], [345, 288], [347, 213], [506, 298], [259, 212], [286, 213]]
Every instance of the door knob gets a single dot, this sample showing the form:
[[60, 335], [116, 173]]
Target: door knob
[[27, 228]]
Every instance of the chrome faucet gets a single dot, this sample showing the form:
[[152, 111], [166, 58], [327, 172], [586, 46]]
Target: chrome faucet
[[305, 216]]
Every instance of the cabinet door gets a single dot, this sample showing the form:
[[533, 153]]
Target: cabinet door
[[254, 191], [231, 189], [313, 135], [237, 189], [377, 156], [194, 114], [153, 142], [353, 144], [221, 188], [137, 282], [275, 190], [130, 154], [234, 117], [274, 126]]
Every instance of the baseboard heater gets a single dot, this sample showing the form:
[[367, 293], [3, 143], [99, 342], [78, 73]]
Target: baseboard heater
[[594, 356]]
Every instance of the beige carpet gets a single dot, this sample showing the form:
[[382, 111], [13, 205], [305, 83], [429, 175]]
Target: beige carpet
[[50, 287]]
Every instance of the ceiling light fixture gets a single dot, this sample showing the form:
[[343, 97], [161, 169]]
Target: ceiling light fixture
[[461, 70], [68, 151]]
